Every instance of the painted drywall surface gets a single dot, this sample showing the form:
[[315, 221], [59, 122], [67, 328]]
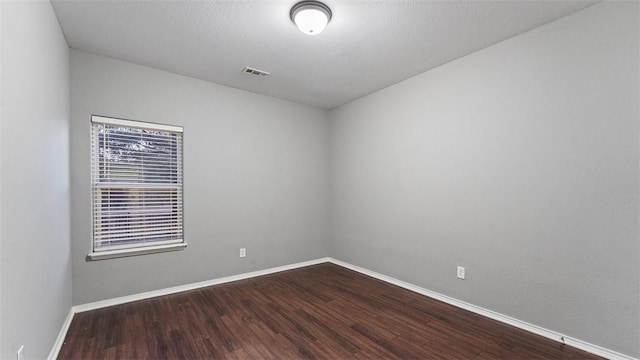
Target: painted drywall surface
[[519, 162], [35, 258], [255, 176], [1, 114]]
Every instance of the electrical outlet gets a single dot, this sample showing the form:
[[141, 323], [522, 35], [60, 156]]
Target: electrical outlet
[[461, 272], [20, 354], [243, 252]]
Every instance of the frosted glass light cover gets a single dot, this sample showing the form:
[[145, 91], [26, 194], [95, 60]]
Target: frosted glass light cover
[[311, 21]]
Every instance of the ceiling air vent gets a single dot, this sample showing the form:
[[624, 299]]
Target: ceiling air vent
[[255, 72]]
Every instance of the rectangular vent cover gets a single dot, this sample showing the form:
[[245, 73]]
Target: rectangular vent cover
[[255, 72]]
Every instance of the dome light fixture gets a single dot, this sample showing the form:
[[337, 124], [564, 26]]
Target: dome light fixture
[[311, 17]]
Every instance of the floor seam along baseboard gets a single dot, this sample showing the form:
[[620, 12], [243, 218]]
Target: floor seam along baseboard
[[550, 334]]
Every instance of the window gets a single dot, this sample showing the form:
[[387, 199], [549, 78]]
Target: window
[[136, 175]]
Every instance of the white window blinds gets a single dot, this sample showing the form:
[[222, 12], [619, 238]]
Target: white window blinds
[[136, 173]]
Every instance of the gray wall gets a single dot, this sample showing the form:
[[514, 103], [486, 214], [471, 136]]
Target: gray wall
[[255, 177], [520, 162], [35, 279]]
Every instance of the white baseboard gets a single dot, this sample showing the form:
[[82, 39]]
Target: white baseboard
[[576, 343], [579, 344], [172, 290], [192, 286], [61, 335]]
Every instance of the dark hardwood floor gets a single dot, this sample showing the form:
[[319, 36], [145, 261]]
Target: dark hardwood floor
[[322, 311]]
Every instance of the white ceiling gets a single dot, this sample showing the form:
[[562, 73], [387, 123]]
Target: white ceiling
[[368, 45]]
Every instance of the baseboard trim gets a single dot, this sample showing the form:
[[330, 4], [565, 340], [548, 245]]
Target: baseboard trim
[[553, 335], [579, 344], [61, 335], [168, 291], [192, 286]]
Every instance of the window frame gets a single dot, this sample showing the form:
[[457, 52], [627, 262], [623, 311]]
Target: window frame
[[139, 248]]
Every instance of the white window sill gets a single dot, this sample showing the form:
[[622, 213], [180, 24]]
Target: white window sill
[[111, 254]]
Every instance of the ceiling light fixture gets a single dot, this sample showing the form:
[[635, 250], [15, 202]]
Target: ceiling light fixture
[[311, 17]]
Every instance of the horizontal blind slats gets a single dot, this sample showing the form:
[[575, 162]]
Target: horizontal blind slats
[[123, 245], [133, 219], [137, 184], [133, 228], [130, 186], [135, 124], [138, 235], [167, 207], [137, 225]]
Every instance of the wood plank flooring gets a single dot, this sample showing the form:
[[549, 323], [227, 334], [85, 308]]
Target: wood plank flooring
[[318, 312]]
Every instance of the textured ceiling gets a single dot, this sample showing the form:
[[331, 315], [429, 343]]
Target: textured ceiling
[[368, 45]]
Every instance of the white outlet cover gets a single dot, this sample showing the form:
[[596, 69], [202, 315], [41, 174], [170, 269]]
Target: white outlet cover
[[243, 252], [461, 272]]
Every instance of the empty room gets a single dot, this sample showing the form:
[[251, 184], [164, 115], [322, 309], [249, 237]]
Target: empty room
[[287, 179]]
